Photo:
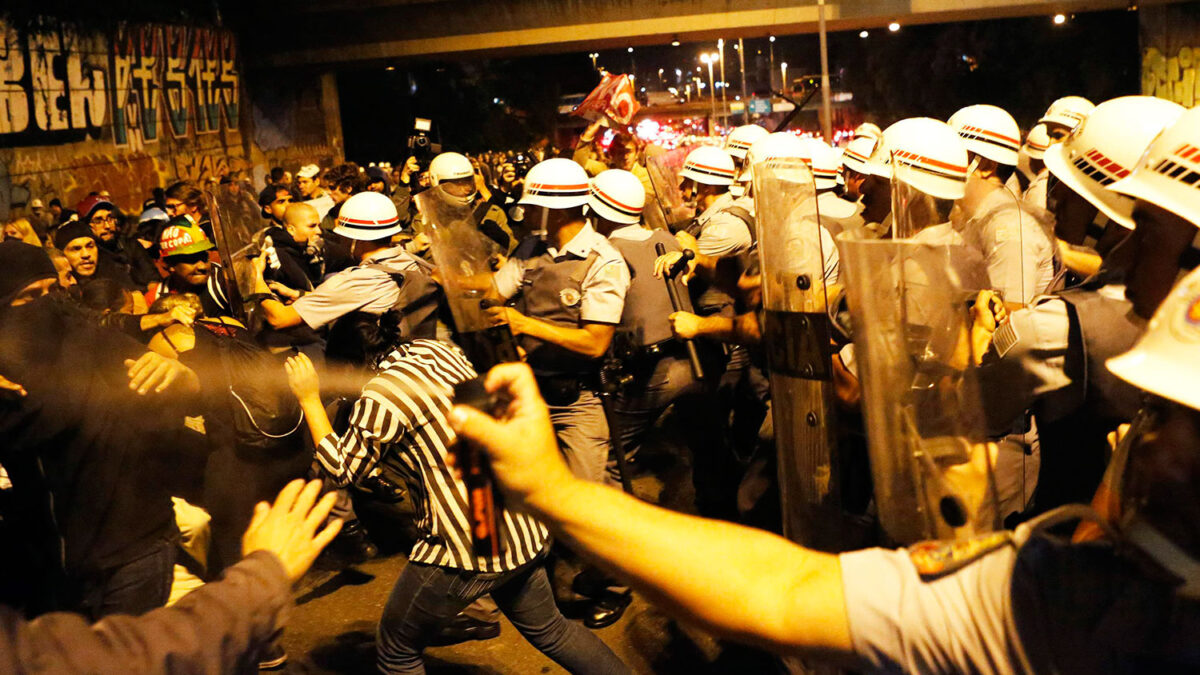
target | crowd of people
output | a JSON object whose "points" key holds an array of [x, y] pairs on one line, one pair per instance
{"points": [[960, 337]]}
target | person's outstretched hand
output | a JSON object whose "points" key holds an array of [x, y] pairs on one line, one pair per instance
{"points": [[288, 528], [302, 378], [155, 372], [521, 443]]}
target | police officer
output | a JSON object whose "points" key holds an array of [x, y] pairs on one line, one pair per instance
{"points": [[455, 174], [1049, 358], [737, 144], [386, 277], [662, 373], [568, 289], [722, 240], [1166, 241], [1023, 602], [835, 213], [1013, 238], [1029, 180]]}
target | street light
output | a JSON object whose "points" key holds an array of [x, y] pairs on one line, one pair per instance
{"points": [[709, 60], [771, 70], [593, 56], [721, 52], [783, 74], [1060, 19], [894, 26]]}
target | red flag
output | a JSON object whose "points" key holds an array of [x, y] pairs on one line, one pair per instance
{"points": [[613, 98]]}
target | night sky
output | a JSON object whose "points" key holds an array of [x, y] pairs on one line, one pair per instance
{"points": [[502, 103]]}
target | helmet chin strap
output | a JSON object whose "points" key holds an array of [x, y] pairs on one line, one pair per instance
{"points": [[1166, 553]]}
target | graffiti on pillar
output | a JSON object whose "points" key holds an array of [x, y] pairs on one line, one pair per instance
{"points": [[53, 87], [186, 77], [1171, 76]]}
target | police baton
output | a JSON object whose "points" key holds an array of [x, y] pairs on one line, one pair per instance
{"points": [[673, 293]]}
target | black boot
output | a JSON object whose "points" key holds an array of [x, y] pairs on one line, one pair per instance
{"points": [[352, 544]]}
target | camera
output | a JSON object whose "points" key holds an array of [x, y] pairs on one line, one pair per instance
{"points": [[521, 164], [420, 145]]}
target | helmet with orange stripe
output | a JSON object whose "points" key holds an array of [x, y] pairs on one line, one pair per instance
{"points": [[1103, 149], [929, 173], [618, 196]]}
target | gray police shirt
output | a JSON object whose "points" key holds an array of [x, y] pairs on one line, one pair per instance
{"points": [[957, 623]]}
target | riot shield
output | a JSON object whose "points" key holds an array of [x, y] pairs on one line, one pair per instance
{"points": [[464, 257], [932, 472], [1015, 239], [796, 335], [238, 228], [922, 218], [665, 207]]}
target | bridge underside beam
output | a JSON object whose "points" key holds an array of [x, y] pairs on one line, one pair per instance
{"points": [[386, 31]]}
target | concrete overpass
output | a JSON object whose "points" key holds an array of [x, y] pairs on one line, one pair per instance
{"points": [[332, 32]]}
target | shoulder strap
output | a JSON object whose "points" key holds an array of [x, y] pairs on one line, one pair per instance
{"points": [[743, 215], [581, 273]]}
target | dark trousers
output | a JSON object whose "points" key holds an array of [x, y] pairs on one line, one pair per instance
{"points": [[136, 587], [235, 480], [425, 597]]}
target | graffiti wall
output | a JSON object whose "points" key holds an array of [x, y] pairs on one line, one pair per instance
{"points": [[139, 108], [1171, 52]]}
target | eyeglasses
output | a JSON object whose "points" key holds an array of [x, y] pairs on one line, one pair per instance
{"points": [[104, 220]]}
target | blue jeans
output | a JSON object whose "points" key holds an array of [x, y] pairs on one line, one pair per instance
{"points": [[425, 597]]}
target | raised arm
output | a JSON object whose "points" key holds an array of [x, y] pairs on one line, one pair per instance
{"points": [[734, 581]]}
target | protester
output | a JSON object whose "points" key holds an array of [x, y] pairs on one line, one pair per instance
{"points": [[220, 628]]}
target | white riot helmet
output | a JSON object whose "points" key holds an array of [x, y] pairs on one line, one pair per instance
{"points": [[823, 160], [709, 165], [740, 139], [857, 155], [557, 183], [927, 155], [777, 147], [617, 195], [451, 166], [1107, 146], [989, 132], [1036, 142], [867, 130], [368, 216], [1068, 111], [1164, 361], [1168, 174]]}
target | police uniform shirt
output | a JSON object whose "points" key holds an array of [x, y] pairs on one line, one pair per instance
{"points": [[603, 288], [1035, 194], [723, 234], [362, 288], [1033, 369], [957, 623], [1015, 245]]}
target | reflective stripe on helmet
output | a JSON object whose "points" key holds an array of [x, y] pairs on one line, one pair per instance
{"points": [[615, 205]]}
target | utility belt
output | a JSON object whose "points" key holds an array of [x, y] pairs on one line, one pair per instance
{"points": [[563, 389], [637, 357]]}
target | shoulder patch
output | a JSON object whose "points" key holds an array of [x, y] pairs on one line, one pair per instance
{"points": [[935, 559]]}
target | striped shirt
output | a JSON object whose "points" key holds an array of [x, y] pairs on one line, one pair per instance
{"points": [[400, 420]]}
